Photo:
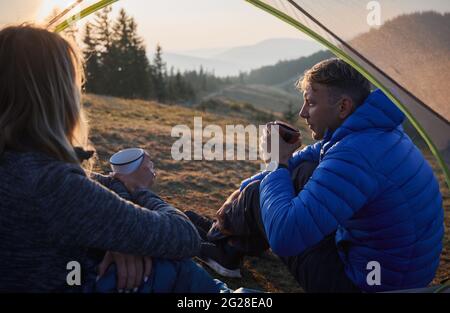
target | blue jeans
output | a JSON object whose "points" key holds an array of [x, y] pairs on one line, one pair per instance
{"points": [[184, 276]]}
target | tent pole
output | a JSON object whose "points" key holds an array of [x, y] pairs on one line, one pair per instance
{"points": [[342, 55], [85, 12]]}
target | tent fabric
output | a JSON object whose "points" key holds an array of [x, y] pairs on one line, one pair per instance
{"points": [[407, 55]]}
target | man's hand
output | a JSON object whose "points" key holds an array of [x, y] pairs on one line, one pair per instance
{"points": [[285, 150], [143, 178], [132, 270]]}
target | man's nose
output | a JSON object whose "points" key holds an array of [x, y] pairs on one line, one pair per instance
{"points": [[304, 112]]}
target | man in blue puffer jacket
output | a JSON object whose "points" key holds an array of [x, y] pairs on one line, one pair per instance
{"points": [[370, 217]]}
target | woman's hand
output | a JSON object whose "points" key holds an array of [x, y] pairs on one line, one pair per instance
{"points": [[132, 270], [143, 178]]}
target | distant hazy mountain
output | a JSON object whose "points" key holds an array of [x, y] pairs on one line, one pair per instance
{"points": [[204, 53], [185, 62], [230, 61], [269, 52]]}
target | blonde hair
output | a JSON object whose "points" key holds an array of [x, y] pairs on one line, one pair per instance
{"points": [[40, 93], [339, 77]]}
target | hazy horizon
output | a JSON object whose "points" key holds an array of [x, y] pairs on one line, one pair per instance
{"points": [[183, 25], [177, 25]]}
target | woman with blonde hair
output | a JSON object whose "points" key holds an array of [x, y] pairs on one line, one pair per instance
{"points": [[52, 213]]}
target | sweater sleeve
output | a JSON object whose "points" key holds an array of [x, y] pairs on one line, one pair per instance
{"points": [[341, 184], [111, 183], [81, 212]]}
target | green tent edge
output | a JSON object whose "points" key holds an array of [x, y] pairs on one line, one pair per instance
{"points": [[334, 49], [341, 54], [85, 12]]}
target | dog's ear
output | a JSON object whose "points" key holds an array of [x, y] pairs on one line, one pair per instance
{"points": [[83, 155]]}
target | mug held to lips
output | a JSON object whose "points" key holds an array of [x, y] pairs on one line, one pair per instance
{"points": [[288, 132]]}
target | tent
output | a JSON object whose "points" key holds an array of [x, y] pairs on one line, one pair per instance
{"points": [[405, 50]]}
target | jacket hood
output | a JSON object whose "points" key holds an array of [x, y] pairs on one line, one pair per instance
{"points": [[376, 112]]}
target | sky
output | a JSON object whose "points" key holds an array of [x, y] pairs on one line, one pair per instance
{"points": [[182, 25], [179, 25]]}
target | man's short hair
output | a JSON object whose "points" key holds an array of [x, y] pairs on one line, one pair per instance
{"points": [[340, 77]]}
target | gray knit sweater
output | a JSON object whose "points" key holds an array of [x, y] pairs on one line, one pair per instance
{"points": [[51, 213]]}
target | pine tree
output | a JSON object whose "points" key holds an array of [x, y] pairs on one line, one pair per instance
{"points": [[91, 56], [179, 86], [117, 64], [172, 91], [159, 68], [102, 24], [203, 79], [189, 92], [141, 65], [130, 76], [107, 61], [123, 55]]}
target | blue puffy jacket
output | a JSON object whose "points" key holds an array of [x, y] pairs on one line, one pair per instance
{"points": [[373, 188]]}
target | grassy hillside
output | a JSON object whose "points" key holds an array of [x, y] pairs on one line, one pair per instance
{"points": [[272, 88], [197, 185], [267, 98]]}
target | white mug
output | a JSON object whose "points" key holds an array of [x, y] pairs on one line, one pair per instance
{"points": [[127, 161]]}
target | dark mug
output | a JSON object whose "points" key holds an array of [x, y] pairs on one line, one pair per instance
{"points": [[288, 132]]}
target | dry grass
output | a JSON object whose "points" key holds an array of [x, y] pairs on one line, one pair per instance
{"points": [[444, 265], [201, 186]]}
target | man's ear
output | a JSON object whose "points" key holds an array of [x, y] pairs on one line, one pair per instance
{"points": [[346, 107]]}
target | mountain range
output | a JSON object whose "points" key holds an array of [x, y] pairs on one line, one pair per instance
{"points": [[232, 61]]}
